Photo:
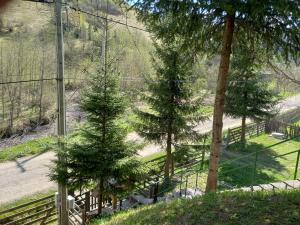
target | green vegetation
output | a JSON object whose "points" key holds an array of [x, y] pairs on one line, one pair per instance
{"points": [[226, 208], [297, 122], [237, 165], [153, 156], [175, 108], [27, 51], [36, 146], [24, 200], [103, 158], [248, 22], [248, 95]]}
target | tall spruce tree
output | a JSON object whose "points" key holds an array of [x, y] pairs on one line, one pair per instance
{"points": [[248, 94], [173, 107], [211, 26], [102, 153]]}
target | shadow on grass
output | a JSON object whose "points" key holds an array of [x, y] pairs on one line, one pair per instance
{"points": [[260, 165]]}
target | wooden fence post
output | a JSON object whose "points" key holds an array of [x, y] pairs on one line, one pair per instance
{"points": [[297, 164], [202, 158], [228, 137], [155, 192], [84, 216], [87, 201]]}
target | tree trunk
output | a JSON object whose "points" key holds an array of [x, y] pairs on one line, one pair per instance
{"points": [[100, 196], [169, 156], [90, 32], [2, 86], [243, 131], [211, 185], [41, 87], [114, 202], [11, 120]]}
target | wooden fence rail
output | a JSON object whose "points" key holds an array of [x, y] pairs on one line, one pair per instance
{"points": [[252, 129], [290, 130], [255, 129], [40, 211]]}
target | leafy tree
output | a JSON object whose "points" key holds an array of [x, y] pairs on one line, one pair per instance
{"points": [[248, 95], [173, 108], [212, 26]]}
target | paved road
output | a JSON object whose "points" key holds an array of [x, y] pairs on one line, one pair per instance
{"points": [[25, 176], [29, 175]]}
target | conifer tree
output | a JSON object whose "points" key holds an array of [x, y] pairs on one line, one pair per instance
{"points": [[101, 154], [173, 108], [101, 151], [212, 26], [248, 94]]}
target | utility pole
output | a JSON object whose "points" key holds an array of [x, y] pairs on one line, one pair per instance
{"points": [[63, 218]]}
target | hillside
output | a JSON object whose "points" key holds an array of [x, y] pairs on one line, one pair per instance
{"points": [[244, 208], [28, 52]]}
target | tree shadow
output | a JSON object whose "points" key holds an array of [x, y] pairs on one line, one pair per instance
{"points": [[20, 163], [253, 164]]}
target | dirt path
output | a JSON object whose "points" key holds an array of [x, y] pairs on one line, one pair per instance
{"points": [[29, 175]]}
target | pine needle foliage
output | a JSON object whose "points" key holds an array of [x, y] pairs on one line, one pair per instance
{"points": [[104, 137], [212, 26], [174, 110], [248, 94], [101, 155]]}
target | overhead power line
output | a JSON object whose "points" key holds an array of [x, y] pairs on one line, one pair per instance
{"points": [[27, 81], [91, 14], [104, 18]]}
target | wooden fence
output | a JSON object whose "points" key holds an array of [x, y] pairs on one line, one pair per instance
{"points": [[290, 130], [252, 129], [41, 211], [255, 129]]}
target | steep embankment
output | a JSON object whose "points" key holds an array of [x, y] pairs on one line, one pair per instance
{"points": [[223, 208]]}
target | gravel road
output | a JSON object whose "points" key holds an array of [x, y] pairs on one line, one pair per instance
{"points": [[28, 175]]}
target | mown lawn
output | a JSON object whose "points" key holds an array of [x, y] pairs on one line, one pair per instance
{"points": [[237, 164], [31, 147], [231, 208]]}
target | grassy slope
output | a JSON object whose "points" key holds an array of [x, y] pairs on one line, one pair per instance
{"points": [[25, 200], [223, 208], [31, 147]]}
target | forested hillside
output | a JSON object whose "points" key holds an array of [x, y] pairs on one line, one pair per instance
{"points": [[28, 58], [27, 52]]}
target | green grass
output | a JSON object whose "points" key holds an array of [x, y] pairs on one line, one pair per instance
{"points": [[31, 147], [287, 94], [207, 110], [237, 164], [23, 201], [233, 208], [297, 122], [153, 156]]}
